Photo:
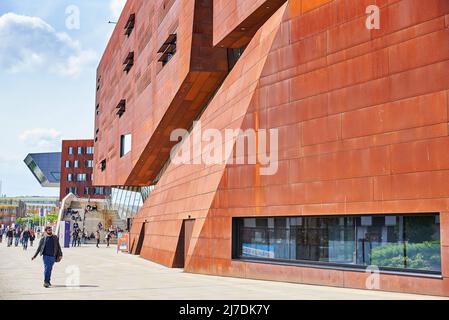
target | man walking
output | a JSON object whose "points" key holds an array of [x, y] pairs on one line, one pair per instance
{"points": [[9, 236], [80, 235], [97, 237], [25, 237], [50, 249], [1, 234], [32, 237], [17, 234], [74, 237], [108, 238]]}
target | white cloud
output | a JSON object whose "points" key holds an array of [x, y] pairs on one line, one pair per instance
{"points": [[40, 138], [30, 44], [116, 7]]}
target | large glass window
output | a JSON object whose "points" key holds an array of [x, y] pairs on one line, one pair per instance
{"points": [[399, 242]]}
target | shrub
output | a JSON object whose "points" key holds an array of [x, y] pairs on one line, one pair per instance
{"points": [[422, 256]]}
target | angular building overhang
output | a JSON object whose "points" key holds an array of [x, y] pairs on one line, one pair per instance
{"points": [[237, 21], [175, 72], [46, 168]]}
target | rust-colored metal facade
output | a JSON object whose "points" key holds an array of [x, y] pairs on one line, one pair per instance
{"points": [[362, 116]]}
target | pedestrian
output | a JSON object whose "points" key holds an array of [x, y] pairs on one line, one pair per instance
{"points": [[17, 234], [80, 235], [50, 249], [97, 237], [25, 237], [108, 238], [74, 237], [2, 231], [9, 235], [32, 237]]}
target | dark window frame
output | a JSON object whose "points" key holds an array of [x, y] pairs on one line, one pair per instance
{"points": [[121, 108], [168, 49], [130, 24], [128, 62]]}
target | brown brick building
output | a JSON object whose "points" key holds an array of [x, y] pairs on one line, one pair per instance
{"points": [[361, 113], [77, 170]]}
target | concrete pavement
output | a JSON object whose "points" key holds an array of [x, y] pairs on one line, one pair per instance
{"points": [[98, 274]]}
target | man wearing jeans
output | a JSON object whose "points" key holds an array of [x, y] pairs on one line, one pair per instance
{"points": [[51, 252]]}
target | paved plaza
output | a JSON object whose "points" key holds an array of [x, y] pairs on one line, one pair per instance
{"points": [[104, 274]]}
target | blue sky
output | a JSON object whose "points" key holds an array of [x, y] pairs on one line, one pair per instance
{"points": [[49, 51]]}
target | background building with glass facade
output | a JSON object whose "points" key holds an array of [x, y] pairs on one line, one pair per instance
{"points": [[362, 179], [46, 168]]}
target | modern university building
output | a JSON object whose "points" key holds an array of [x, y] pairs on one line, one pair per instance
{"points": [[351, 102]]}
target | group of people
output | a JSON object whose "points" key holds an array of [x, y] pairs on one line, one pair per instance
{"points": [[77, 236], [111, 232], [81, 236], [18, 236], [49, 247]]}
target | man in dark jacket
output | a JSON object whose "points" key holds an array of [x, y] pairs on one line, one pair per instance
{"points": [[25, 237], [50, 249], [9, 236], [17, 235]]}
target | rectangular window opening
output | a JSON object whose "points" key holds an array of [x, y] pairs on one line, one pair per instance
{"points": [[125, 144], [168, 49], [121, 108], [129, 26], [129, 62]]}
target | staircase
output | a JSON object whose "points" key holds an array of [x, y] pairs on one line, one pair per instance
{"points": [[91, 219], [111, 218]]}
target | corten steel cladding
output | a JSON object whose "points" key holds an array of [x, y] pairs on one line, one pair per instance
{"points": [[362, 116]]}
